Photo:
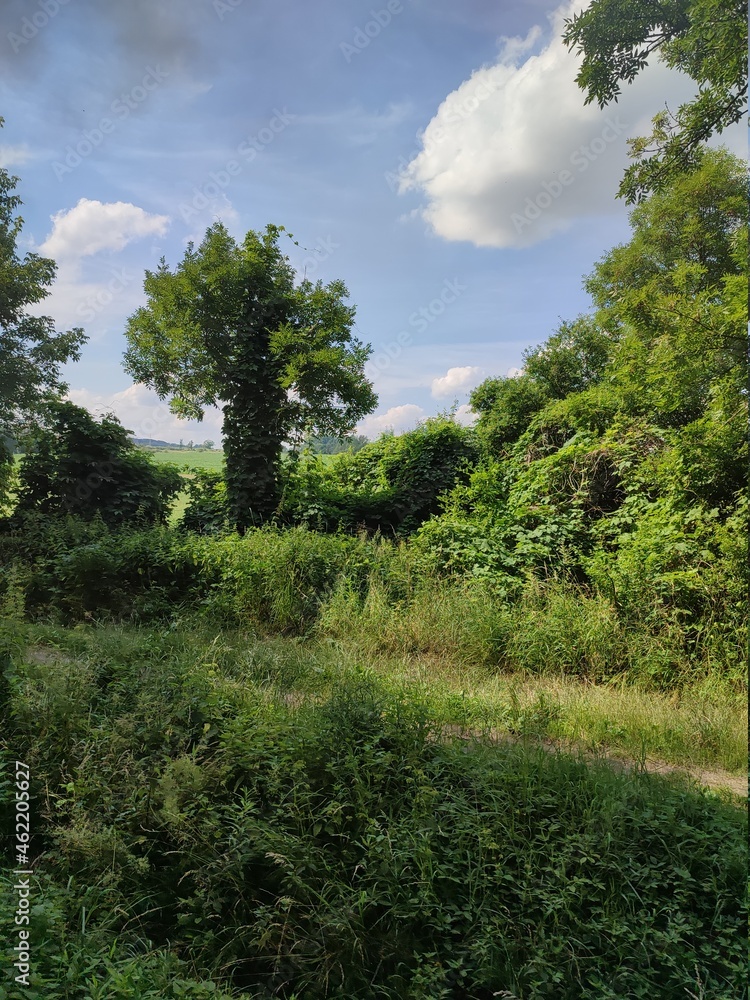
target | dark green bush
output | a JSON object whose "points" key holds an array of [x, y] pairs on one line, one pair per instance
{"points": [[88, 468], [391, 486], [207, 509], [81, 569]]}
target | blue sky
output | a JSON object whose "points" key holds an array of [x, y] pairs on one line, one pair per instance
{"points": [[437, 157]]}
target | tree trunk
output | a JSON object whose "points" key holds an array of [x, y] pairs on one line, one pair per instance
{"points": [[252, 446]]}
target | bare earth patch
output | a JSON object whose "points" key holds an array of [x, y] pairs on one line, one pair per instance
{"points": [[716, 780]]}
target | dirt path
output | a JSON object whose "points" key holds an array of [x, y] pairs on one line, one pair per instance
{"points": [[715, 779]]}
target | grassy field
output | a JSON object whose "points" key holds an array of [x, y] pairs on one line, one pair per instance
{"points": [[699, 729], [188, 458], [391, 788]]}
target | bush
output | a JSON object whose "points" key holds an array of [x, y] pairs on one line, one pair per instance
{"points": [[391, 486], [277, 579], [87, 468], [207, 509], [80, 569]]}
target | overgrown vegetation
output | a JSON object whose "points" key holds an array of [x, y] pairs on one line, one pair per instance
{"points": [[355, 752], [204, 821], [77, 466]]}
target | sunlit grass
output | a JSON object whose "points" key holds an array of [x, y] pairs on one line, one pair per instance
{"points": [[699, 727], [188, 458]]}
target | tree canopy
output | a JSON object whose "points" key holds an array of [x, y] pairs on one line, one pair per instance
{"points": [[230, 327], [31, 350], [707, 39], [666, 342]]}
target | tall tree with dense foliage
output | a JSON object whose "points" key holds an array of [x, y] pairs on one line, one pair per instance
{"points": [[668, 336], [31, 349], [677, 292], [229, 326], [707, 39]]}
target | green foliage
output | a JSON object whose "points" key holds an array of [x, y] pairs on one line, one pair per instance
{"points": [[686, 240], [88, 468], [229, 325], [571, 360], [77, 953], [328, 444], [270, 579], [506, 407], [31, 351], [392, 485], [78, 569], [207, 509], [276, 580], [618, 461], [348, 848], [707, 39]]}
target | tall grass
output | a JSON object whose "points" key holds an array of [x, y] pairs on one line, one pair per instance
{"points": [[291, 822], [381, 595], [550, 629], [699, 726]]}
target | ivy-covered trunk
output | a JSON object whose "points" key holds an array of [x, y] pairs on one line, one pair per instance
{"points": [[253, 437]]}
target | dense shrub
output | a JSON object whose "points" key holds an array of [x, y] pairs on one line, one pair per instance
{"points": [[391, 486], [89, 468], [207, 508], [80, 569], [272, 578]]}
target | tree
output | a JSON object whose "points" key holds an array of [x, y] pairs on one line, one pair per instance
{"points": [[677, 294], [209, 445], [571, 360], [506, 407], [84, 467], [331, 444], [707, 39], [668, 338], [31, 350], [684, 243], [229, 327]]}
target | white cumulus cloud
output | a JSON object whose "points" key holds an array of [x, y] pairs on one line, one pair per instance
{"points": [[397, 419], [141, 411], [456, 380], [513, 156], [92, 226], [92, 291], [465, 415], [13, 156]]}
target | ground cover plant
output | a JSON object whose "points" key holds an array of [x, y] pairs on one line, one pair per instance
{"points": [[223, 828]]}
